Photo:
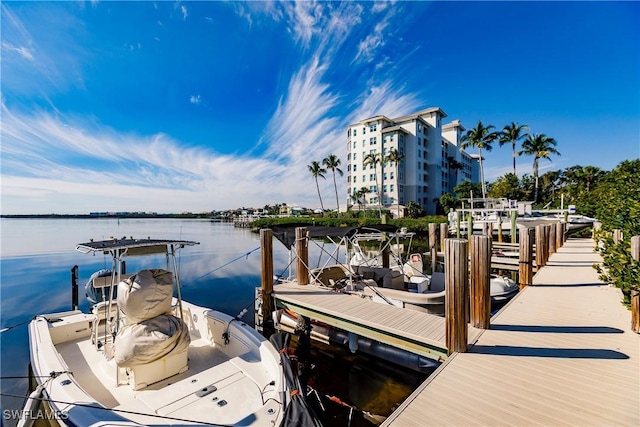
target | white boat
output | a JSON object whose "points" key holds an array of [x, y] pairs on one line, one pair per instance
{"points": [[497, 213], [403, 284], [146, 357]]}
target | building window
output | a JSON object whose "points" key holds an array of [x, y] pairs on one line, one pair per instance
{"points": [[363, 142], [391, 188], [355, 156], [373, 189], [373, 127], [354, 144], [372, 177], [391, 175], [384, 188], [384, 176], [372, 141], [355, 132], [355, 167], [364, 130]]}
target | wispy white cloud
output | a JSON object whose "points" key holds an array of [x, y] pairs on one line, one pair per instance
{"points": [[183, 9], [20, 50], [368, 47], [195, 99], [48, 161]]}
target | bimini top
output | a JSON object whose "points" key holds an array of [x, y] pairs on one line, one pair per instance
{"points": [[133, 245]]}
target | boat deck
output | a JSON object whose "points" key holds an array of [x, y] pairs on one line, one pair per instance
{"points": [[414, 331], [560, 353], [173, 399]]}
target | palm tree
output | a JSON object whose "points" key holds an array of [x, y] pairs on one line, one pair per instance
{"points": [[395, 157], [317, 171], [331, 162], [455, 166], [481, 137], [363, 191], [374, 159], [512, 134], [540, 147]]}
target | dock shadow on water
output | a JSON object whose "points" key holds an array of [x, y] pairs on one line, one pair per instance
{"points": [[356, 389]]}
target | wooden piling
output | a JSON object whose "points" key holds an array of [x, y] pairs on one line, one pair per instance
{"points": [[266, 281], [302, 254], [514, 226], [456, 266], [444, 233], [559, 235], [540, 262], [74, 287], [433, 241], [617, 235], [499, 229], [458, 224], [480, 289], [635, 295], [525, 269], [385, 253], [469, 225], [552, 238]]}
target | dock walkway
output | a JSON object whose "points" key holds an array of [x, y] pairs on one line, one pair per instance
{"points": [[414, 331], [560, 353]]}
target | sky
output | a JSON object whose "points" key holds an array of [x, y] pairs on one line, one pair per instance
{"points": [[201, 106]]}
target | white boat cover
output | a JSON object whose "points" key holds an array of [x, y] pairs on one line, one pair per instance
{"points": [[145, 295], [150, 340], [149, 331]]}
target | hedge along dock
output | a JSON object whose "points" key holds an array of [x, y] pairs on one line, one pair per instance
{"points": [[560, 353]]}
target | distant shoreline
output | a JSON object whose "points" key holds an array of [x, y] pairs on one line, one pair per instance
{"points": [[101, 216]]}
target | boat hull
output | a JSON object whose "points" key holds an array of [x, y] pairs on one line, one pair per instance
{"points": [[239, 370]]}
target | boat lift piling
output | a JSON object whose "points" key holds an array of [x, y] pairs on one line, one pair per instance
{"points": [[480, 281], [456, 294], [266, 281], [74, 287], [525, 256], [302, 256]]}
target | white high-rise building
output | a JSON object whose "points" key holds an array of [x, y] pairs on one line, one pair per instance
{"points": [[432, 164]]}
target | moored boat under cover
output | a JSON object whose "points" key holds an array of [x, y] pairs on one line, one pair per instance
{"points": [[150, 358]]}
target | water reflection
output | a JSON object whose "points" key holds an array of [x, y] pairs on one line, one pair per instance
{"points": [[37, 257]]}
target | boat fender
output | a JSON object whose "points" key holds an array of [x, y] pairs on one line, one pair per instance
{"points": [[31, 408], [353, 342]]}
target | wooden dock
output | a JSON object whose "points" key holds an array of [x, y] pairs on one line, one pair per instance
{"points": [[414, 331], [560, 353]]}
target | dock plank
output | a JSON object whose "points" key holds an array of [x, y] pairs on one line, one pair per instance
{"points": [[416, 331], [560, 353]]}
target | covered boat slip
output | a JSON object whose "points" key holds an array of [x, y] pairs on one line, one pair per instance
{"points": [[560, 353], [229, 379], [418, 332]]}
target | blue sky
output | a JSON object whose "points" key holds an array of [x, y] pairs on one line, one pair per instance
{"points": [[196, 106]]}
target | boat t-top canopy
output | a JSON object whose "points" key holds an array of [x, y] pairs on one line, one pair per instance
{"points": [[285, 233], [133, 246]]}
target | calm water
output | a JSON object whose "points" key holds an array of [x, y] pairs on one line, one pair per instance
{"points": [[37, 257]]}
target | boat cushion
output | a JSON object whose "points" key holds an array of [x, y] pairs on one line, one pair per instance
{"points": [[145, 295], [150, 340]]}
